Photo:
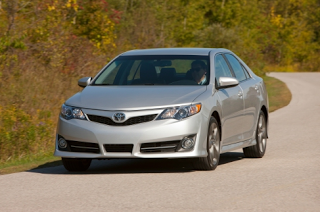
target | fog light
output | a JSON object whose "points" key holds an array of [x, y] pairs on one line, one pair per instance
{"points": [[62, 143], [187, 143]]}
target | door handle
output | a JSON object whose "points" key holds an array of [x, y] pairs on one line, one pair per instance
{"points": [[240, 94], [256, 88]]}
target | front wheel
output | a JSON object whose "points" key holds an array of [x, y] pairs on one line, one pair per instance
{"points": [[76, 164], [258, 150], [213, 148]]}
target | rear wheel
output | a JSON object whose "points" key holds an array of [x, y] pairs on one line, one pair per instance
{"points": [[213, 148], [76, 164], [258, 150]]}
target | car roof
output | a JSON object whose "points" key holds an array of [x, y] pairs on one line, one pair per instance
{"points": [[174, 51]]}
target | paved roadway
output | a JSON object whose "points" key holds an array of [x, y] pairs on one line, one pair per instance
{"points": [[286, 179]]}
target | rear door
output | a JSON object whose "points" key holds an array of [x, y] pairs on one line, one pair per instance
{"points": [[231, 103]]}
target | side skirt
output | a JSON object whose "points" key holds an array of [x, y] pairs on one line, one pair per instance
{"points": [[238, 145]]}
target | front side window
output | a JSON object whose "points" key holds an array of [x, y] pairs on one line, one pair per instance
{"points": [[221, 68], [236, 66], [156, 70]]}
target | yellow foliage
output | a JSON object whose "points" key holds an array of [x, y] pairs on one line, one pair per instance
{"points": [[276, 19], [68, 4], [50, 8], [21, 133], [73, 4], [53, 6]]}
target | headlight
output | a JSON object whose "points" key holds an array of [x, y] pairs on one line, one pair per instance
{"points": [[68, 112], [180, 112]]}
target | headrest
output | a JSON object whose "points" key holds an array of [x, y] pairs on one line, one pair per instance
{"points": [[165, 72], [148, 72]]}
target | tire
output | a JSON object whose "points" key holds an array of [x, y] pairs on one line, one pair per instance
{"points": [[259, 149], [76, 164], [213, 148]]}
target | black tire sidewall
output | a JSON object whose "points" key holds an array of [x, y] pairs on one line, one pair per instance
{"points": [[76, 164]]}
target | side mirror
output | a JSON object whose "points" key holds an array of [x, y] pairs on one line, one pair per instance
{"points": [[83, 82], [227, 82]]}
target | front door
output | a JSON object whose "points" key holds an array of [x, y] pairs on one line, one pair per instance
{"points": [[231, 103]]}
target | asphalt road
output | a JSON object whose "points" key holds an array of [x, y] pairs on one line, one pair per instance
{"points": [[286, 179]]}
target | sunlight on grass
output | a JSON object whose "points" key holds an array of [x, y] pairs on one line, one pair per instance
{"points": [[278, 93], [44, 161]]}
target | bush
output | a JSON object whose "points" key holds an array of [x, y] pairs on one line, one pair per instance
{"points": [[22, 135]]}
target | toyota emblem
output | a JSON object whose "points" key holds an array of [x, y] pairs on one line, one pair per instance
{"points": [[119, 117]]}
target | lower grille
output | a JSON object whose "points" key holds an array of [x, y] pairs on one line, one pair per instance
{"points": [[118, 147], [167, 146], [130, 121], [77, 146]]}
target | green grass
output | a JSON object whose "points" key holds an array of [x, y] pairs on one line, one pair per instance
{"points": [[279, 96], [43, 161], [278, 93]]}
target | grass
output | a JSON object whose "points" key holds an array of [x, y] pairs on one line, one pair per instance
{"points": [[30, 163], [279, 96], [278, 93]]}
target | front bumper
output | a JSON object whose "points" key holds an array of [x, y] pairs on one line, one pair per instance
{"points": [[148, 132]]}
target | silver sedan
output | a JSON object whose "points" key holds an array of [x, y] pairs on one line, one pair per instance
{"points": [[165, 103]]}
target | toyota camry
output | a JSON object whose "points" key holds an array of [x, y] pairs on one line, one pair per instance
{"points": [[165, 103]]}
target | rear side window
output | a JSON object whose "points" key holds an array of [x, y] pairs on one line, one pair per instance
{"points": [[236, 66], [245, 72]]}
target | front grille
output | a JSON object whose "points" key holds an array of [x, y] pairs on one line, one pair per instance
{"points": [[130, 121], [167, 146], [77, 146], [118, 147]]}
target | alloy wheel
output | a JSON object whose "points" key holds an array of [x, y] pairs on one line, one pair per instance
{"points": [[262, 133], [214, 144]]}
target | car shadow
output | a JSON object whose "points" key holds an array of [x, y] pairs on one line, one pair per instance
{"points": [[229, 157], [134, 166]]}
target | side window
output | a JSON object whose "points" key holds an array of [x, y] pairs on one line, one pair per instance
{"points": [[221, 67], [245, 72], [236, 66]]}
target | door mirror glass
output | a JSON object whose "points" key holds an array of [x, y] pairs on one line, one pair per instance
{"points": [[83, 82], [226, 82]]}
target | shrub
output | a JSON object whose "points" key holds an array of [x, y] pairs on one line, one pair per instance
{"points": [[22, 135]]}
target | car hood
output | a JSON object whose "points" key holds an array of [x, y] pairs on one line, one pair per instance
{"points": [[134, 97]]}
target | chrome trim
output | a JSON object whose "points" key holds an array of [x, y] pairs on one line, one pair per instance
{"points": [[81, 147], [119, 117], [160, 147]]}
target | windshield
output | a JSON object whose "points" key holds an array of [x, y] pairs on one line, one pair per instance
{"points": [[156, 70]]}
